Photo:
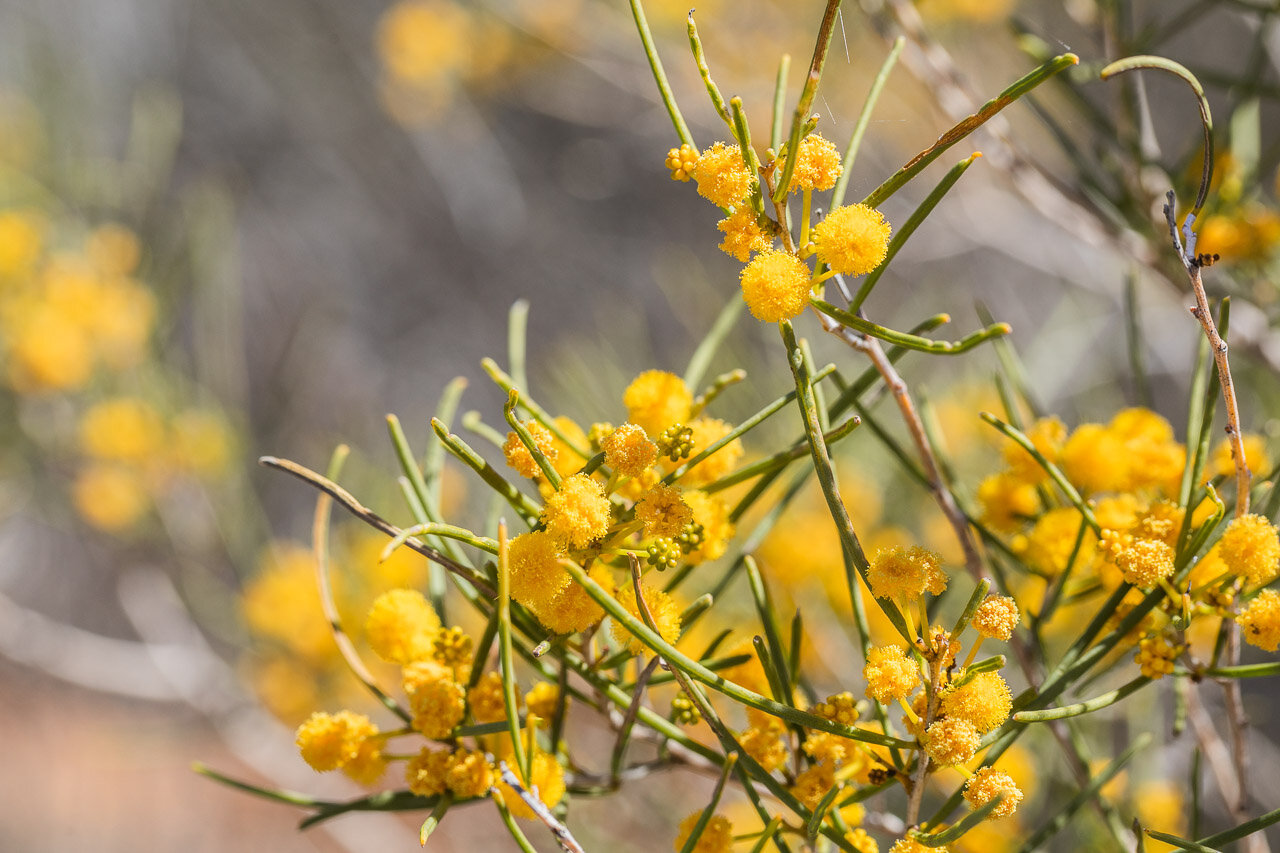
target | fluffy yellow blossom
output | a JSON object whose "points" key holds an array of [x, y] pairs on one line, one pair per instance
{"points": [[123, 429], [860, 841], [682, 161], [1251, 549], [533, 559], [890, 674], [111, 497], [368, 765], [1094, 459], [402, 626], [546, 779], [706, 432], [663, 511], [776, 285], [996, 617], [656, 399], [328, 741], [1261, 620], [984, 701], [571, 609], [853, 239], [485, 700], [468, 774], [628, 450], [1007, 501], [826, 748], [1160, 805], [742, 234], [427, 772], [817, 165], [542, 700], [1144, 562], [712, 514], [722, 175], [716, 837], [519, 457], [566, 460], [48, 351], [1048, 546], [1048, 435], [663, 608], [437, 701], [951, 740], [906, 573], [813, 783], [910, 845], [987, 784], [578, 513], [765, 744]]}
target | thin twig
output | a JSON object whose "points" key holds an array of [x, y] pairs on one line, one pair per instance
{"points": [[563, 837], [350, 504]]}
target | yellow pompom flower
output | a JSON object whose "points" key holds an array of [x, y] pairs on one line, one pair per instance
{"points": [[1094, 459], [996, 617], [427, 772], [906, 573], [578, 513], [468, 774], [533, 559], [663, 608], [717, 835], [1251, 548], [437, 701], [890, 674], [1144, 562], [1261, 620], [486, 700], [817, 165], [951, 740], [572, 609], [519, 457], [987, 784], [722, 175], [765, 745], [775, 286], [910, 845], [542, 700], [712, 514], [663, 511], [546, 780], [110, 497], [682, 161], [860, 841], [853, 239], [628, 450], [826, 748], [124, 429], [656, 399], [1007, 501], [813, 783], [328, 741], [742, 234], [402, 626], [706, 432], [984, 701]]}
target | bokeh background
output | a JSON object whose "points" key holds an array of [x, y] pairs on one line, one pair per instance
{"points": [[230, 229]]}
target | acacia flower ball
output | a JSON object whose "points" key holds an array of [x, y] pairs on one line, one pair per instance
{"points": [[486, 701], [775, 286], [813, 784], [722, 175], [705, 432], [547, 777], [906, 573], [1251, 548], [996, 617], [656, 399], [989, 783], [329, 741], [853, 239], [663, 512], [469, 774], [628, 450], [765, 745], [817, 165], [717, 835], [984, 701], [910, 845], [437, 701], [663, 609], [427, 771], [951, 740], [402, 626], [1145, 562], [1261, 620], [742, 234], [890, 674], [579, 512], [533, 560], [518, 455]]}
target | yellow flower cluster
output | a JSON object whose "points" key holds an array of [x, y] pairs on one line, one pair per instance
{"points": [[906, 574], [346, 741], [716, 837], [890, 674], [987, 784], [1261, 620]]}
